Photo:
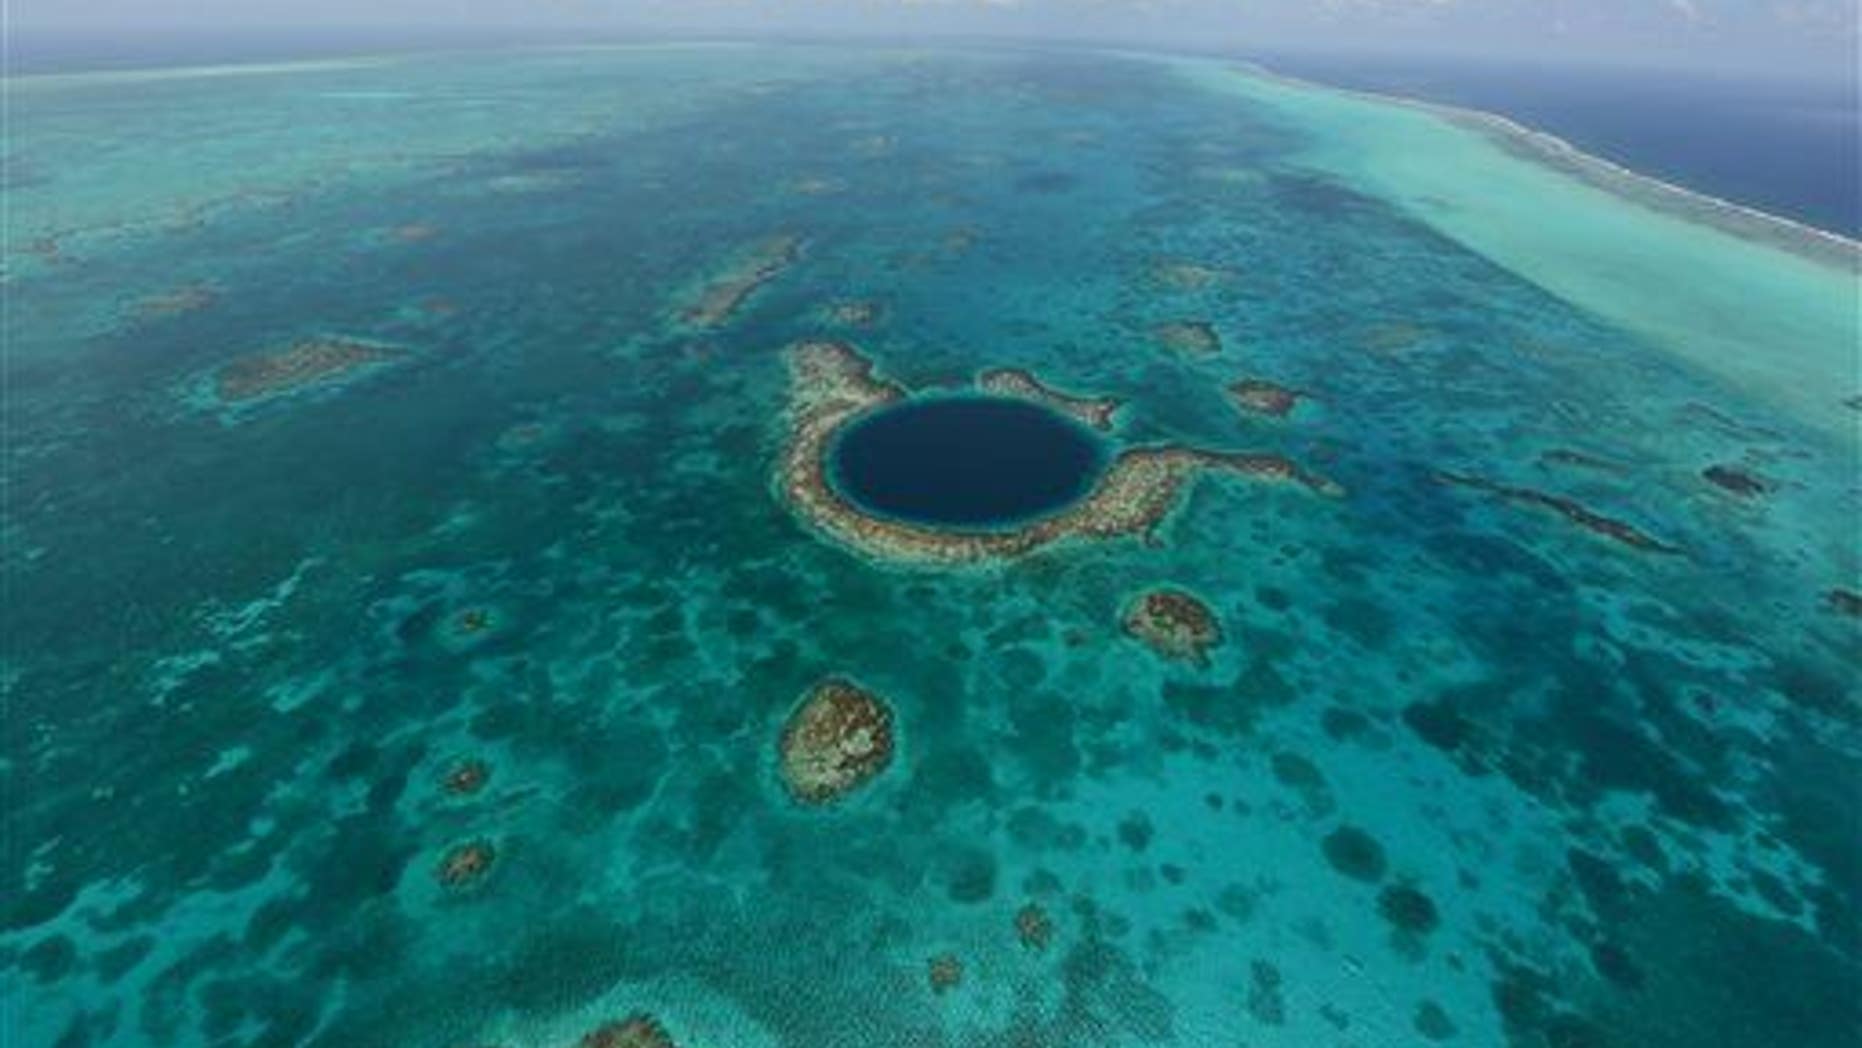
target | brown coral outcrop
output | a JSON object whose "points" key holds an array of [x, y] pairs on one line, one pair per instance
{"points": [[307, 363], [945, 973], [465, 777], [837, 740], [1175, 624], [636, 1031], [1034, 927], [465, 865]]}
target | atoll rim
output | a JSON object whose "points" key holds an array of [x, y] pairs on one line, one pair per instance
{"points": [[833, 387]]}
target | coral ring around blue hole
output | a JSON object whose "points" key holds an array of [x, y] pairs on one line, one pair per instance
{"points": [[966, 462]]}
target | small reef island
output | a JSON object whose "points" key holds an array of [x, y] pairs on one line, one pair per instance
{"points": [[837, 740], [1175, 624], [310, 362], [833, 388]]}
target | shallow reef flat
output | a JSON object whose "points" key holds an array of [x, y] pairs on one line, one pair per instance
{"points": [[1603, 237], [1196, 338], [1186, 275], [527, 670], [240, 116], [188, 299], [720, 296], [1570, 509]]}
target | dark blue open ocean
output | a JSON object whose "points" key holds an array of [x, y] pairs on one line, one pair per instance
{"points": [[1789, 147]]}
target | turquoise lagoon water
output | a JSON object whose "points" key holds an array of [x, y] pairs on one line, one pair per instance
{"points": [[1464, 771]]}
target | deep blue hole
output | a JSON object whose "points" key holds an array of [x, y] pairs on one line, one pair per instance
{"points": [[966, 462]]}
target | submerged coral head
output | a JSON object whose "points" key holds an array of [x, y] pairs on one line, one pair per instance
{"points": [[465, 865], [635, 1031], [306, 363], [466, 776]]}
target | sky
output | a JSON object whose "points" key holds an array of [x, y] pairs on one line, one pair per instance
{"points": [[1787, 37]]}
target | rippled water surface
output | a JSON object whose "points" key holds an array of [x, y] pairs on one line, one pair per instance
{"points": [[403, 616]]}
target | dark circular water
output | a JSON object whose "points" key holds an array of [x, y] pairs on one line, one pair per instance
{"points": [[966, 462]]}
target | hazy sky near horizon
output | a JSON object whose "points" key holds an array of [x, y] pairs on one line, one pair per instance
{"points": [[1788, 36]]}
